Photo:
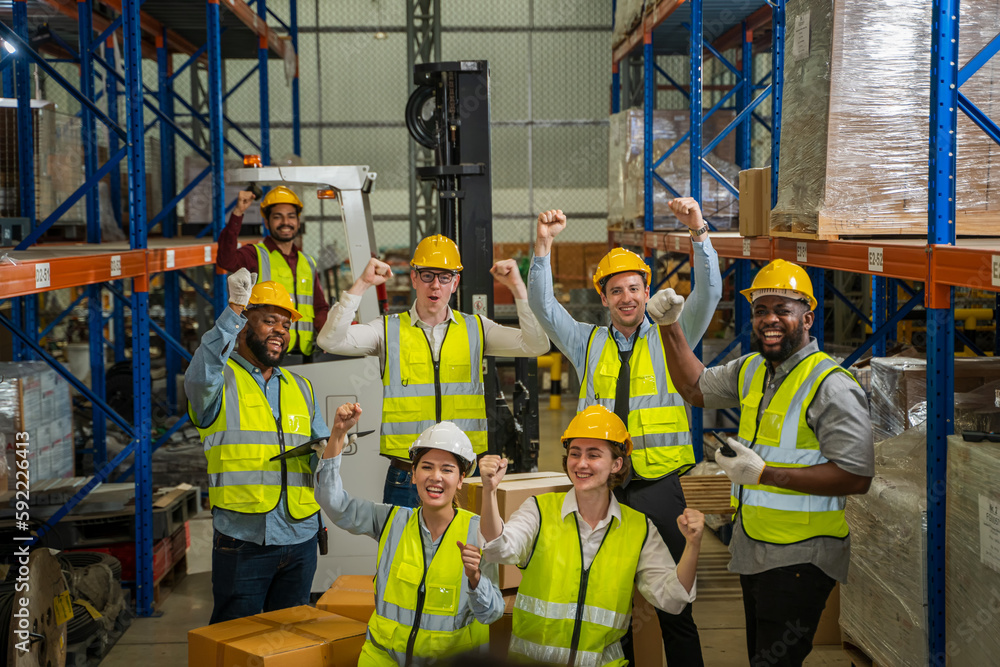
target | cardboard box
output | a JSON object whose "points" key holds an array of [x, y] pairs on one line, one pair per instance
{"points": [[287, 638], [828, 630], [352, 596], [755, 202], [514, 490], [501, 630], [647, 641]]}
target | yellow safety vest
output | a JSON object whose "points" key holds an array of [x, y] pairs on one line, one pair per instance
{"points": [[784, 440], [245, 435], [418, 392], [422, 611], [272, 265], [657, 420], [564, 614]]}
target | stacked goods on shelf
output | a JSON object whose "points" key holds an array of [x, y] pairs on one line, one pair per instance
{"points": [[972, 578], [804, 115], [884, 602], [626, 170], [876, 163], [35, 400], [198, 202], [628, 14]]}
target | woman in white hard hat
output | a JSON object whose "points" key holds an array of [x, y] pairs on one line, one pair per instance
{"points": [[431, 598], [581, 552]]}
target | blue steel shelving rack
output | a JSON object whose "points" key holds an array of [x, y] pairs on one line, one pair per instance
{"points": [[941, 263], [745, 102], [104, 265]]}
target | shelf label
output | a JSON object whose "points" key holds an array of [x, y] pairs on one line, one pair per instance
{"points": [[677, 243], [800, 253], [875, 260], [208, 253], [171, 261], [996, 270], [746, 247], [989, 532], [116, 265], [43, 277]]}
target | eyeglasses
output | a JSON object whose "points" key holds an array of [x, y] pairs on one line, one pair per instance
{"points": [[429, 276]]}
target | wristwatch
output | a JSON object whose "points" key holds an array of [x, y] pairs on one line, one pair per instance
{"points": [[695, 233]]}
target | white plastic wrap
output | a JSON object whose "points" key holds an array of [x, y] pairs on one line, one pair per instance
{"points": [[972, 587], [628, 13], [898, 394], [626, 182], [804, 115], [876, 172]]}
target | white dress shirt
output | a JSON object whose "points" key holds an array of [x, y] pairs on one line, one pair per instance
{"points": [[338, 336], [656, 576]]}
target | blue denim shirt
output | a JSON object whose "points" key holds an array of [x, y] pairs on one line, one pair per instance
{"points": [[571, 337], [203, 383]]}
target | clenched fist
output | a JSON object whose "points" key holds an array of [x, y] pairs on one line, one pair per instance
{"points": [[692, 525], [507, 274], [665, 306], [550, 223], [492, 469], [470, 558], [243, 201], [240, 285]]}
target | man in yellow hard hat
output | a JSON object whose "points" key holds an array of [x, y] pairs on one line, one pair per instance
{"points": [[431, 355], [622, 367], [804, 444], [277, 258], [247, 410]]}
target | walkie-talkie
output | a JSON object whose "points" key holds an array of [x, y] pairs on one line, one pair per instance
{"points": [[254, 189], [725, 450]]}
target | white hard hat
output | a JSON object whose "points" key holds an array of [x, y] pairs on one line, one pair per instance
{"points": [[448, 437]]}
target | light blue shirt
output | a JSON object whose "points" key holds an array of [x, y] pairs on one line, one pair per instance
{"points": [[571, 337], [204, 385], [359, 516]]}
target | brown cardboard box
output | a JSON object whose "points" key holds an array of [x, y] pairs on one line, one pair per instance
{"points": [[755, 201], [287, 638], [469, 499], [646, 637], [501, 630], [511, 494], [828, 630], [352, 596]]}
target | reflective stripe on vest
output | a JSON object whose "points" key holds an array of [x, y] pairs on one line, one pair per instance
{"points": [[547, 612], [417, 393], [413, 628], [244, 436], [657, 419], [783, 438], [272, 265]]}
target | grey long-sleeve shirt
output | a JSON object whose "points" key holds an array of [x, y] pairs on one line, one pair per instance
{"points": [[360, 516], [839, 416]]}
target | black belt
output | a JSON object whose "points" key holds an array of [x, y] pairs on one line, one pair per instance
{"points": [[401, 464]]}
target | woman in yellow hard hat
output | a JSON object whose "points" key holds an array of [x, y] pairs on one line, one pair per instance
{"points": [[582, 550], [431, 599], [278, 258]]}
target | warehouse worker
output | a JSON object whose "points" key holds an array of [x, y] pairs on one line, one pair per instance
{"points": [[805, 443], [278, 259], [622, 367], [247, 410], [583, 550], [431, 355], [431, 599]]}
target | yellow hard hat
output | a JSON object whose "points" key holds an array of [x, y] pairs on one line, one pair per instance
{"points": [[598, 422], [280, 195], [437, 252], [619, 260], [270, 293], [781, 278]]}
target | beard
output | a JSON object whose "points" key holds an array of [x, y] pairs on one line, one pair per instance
{"points": [[790, 342], [258, 346]]}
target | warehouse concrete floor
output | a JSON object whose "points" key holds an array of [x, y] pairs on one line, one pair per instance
{"points": [[162, 640]]}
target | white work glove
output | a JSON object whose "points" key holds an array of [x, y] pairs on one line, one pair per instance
{"points": [[319, 448], [745, 468], [240, 285], [665, 306]]}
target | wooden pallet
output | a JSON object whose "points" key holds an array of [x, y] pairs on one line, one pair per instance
{"points": [[829, 228], [857, 654], [170, 579], [707, 493]]}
